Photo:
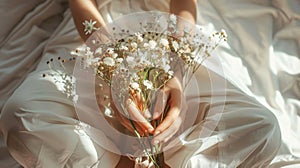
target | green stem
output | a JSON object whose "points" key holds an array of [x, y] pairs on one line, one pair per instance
{"points": [[139, 138]]}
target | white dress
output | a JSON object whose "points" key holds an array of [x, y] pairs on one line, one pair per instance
{"points": [[41, 128]]}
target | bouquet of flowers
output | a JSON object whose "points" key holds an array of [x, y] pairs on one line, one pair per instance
{"points": [[139, 64]]}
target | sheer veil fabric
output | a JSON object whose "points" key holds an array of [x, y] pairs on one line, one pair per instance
{"points": [[41, 127]]}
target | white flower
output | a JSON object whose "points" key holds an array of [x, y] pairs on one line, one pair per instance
{"points": [[146, 45], [167, 67], [75, 98], [89, 26], [134, 45], [145, 61], [80, 51], [114, 55], [124, 48], [135, 76], [110, 50], [164, 42], [152, 44], [139, 37], [181, 51], [119, 60], [90, 61], [223, 32], [98, 51], [108, 112], [148, 84], [173, 18], [134, 86], [87, 56], [109, 61], [175, 45], [130, 60], [171, 73]]}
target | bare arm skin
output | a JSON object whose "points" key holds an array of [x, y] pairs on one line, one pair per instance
{"points": [[85, 10], [186, 9]]}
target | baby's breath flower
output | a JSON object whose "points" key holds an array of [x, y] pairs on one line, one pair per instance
{"points": [[114, 55], [110, 50], [148, 84], [134, 86], [175, 45], [139, 37], [171, 73], [134, 45], [90, 61], [130, 60], [124, 48], [109, 61], [167, 67], [135, 76], [173, 18], [146, 45], [223, 33], [75, 98], [164, 42], [98, 51], [119, 60], [80, 52], [152, 44]]}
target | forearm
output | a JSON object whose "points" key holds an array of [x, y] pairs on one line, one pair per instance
{"points": [[186, 9], [85, 10]]}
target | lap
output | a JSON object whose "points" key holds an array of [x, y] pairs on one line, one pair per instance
{"points": [[39, 116], [40, 127]]}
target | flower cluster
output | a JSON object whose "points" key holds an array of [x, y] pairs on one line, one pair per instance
{"points": [[138, 64], [63, 81], [150, 52]]}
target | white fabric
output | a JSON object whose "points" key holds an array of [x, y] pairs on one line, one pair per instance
{"points": [[262, 37], [263, 59]]}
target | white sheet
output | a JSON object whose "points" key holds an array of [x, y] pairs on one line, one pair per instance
{"points": [[262, 57]]}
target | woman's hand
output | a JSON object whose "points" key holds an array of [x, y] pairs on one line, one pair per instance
{"points": [[170, 106], [167, 109], [136, 119]]}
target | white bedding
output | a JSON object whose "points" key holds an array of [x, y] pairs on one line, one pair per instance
{"points": [[262, 56]]}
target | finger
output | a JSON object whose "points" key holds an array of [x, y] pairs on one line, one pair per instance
{"points": [[136, 116], [168, 121], [168, 133], [160, 104], [147, 114], [137, 98], [126, 122], [131, 126], [138, 101]]}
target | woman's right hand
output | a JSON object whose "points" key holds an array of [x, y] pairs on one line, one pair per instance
{"points": [[136, 119]]}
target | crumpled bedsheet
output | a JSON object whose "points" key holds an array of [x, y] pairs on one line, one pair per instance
{"points": [[262, 56]]}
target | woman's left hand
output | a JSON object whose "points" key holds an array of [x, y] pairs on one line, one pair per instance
{"points": [[171, 99]]}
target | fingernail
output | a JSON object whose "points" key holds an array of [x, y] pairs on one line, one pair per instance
{"points": [[150, 130], [155, 115], [147, 114], [155, 142], [156, 132]]}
